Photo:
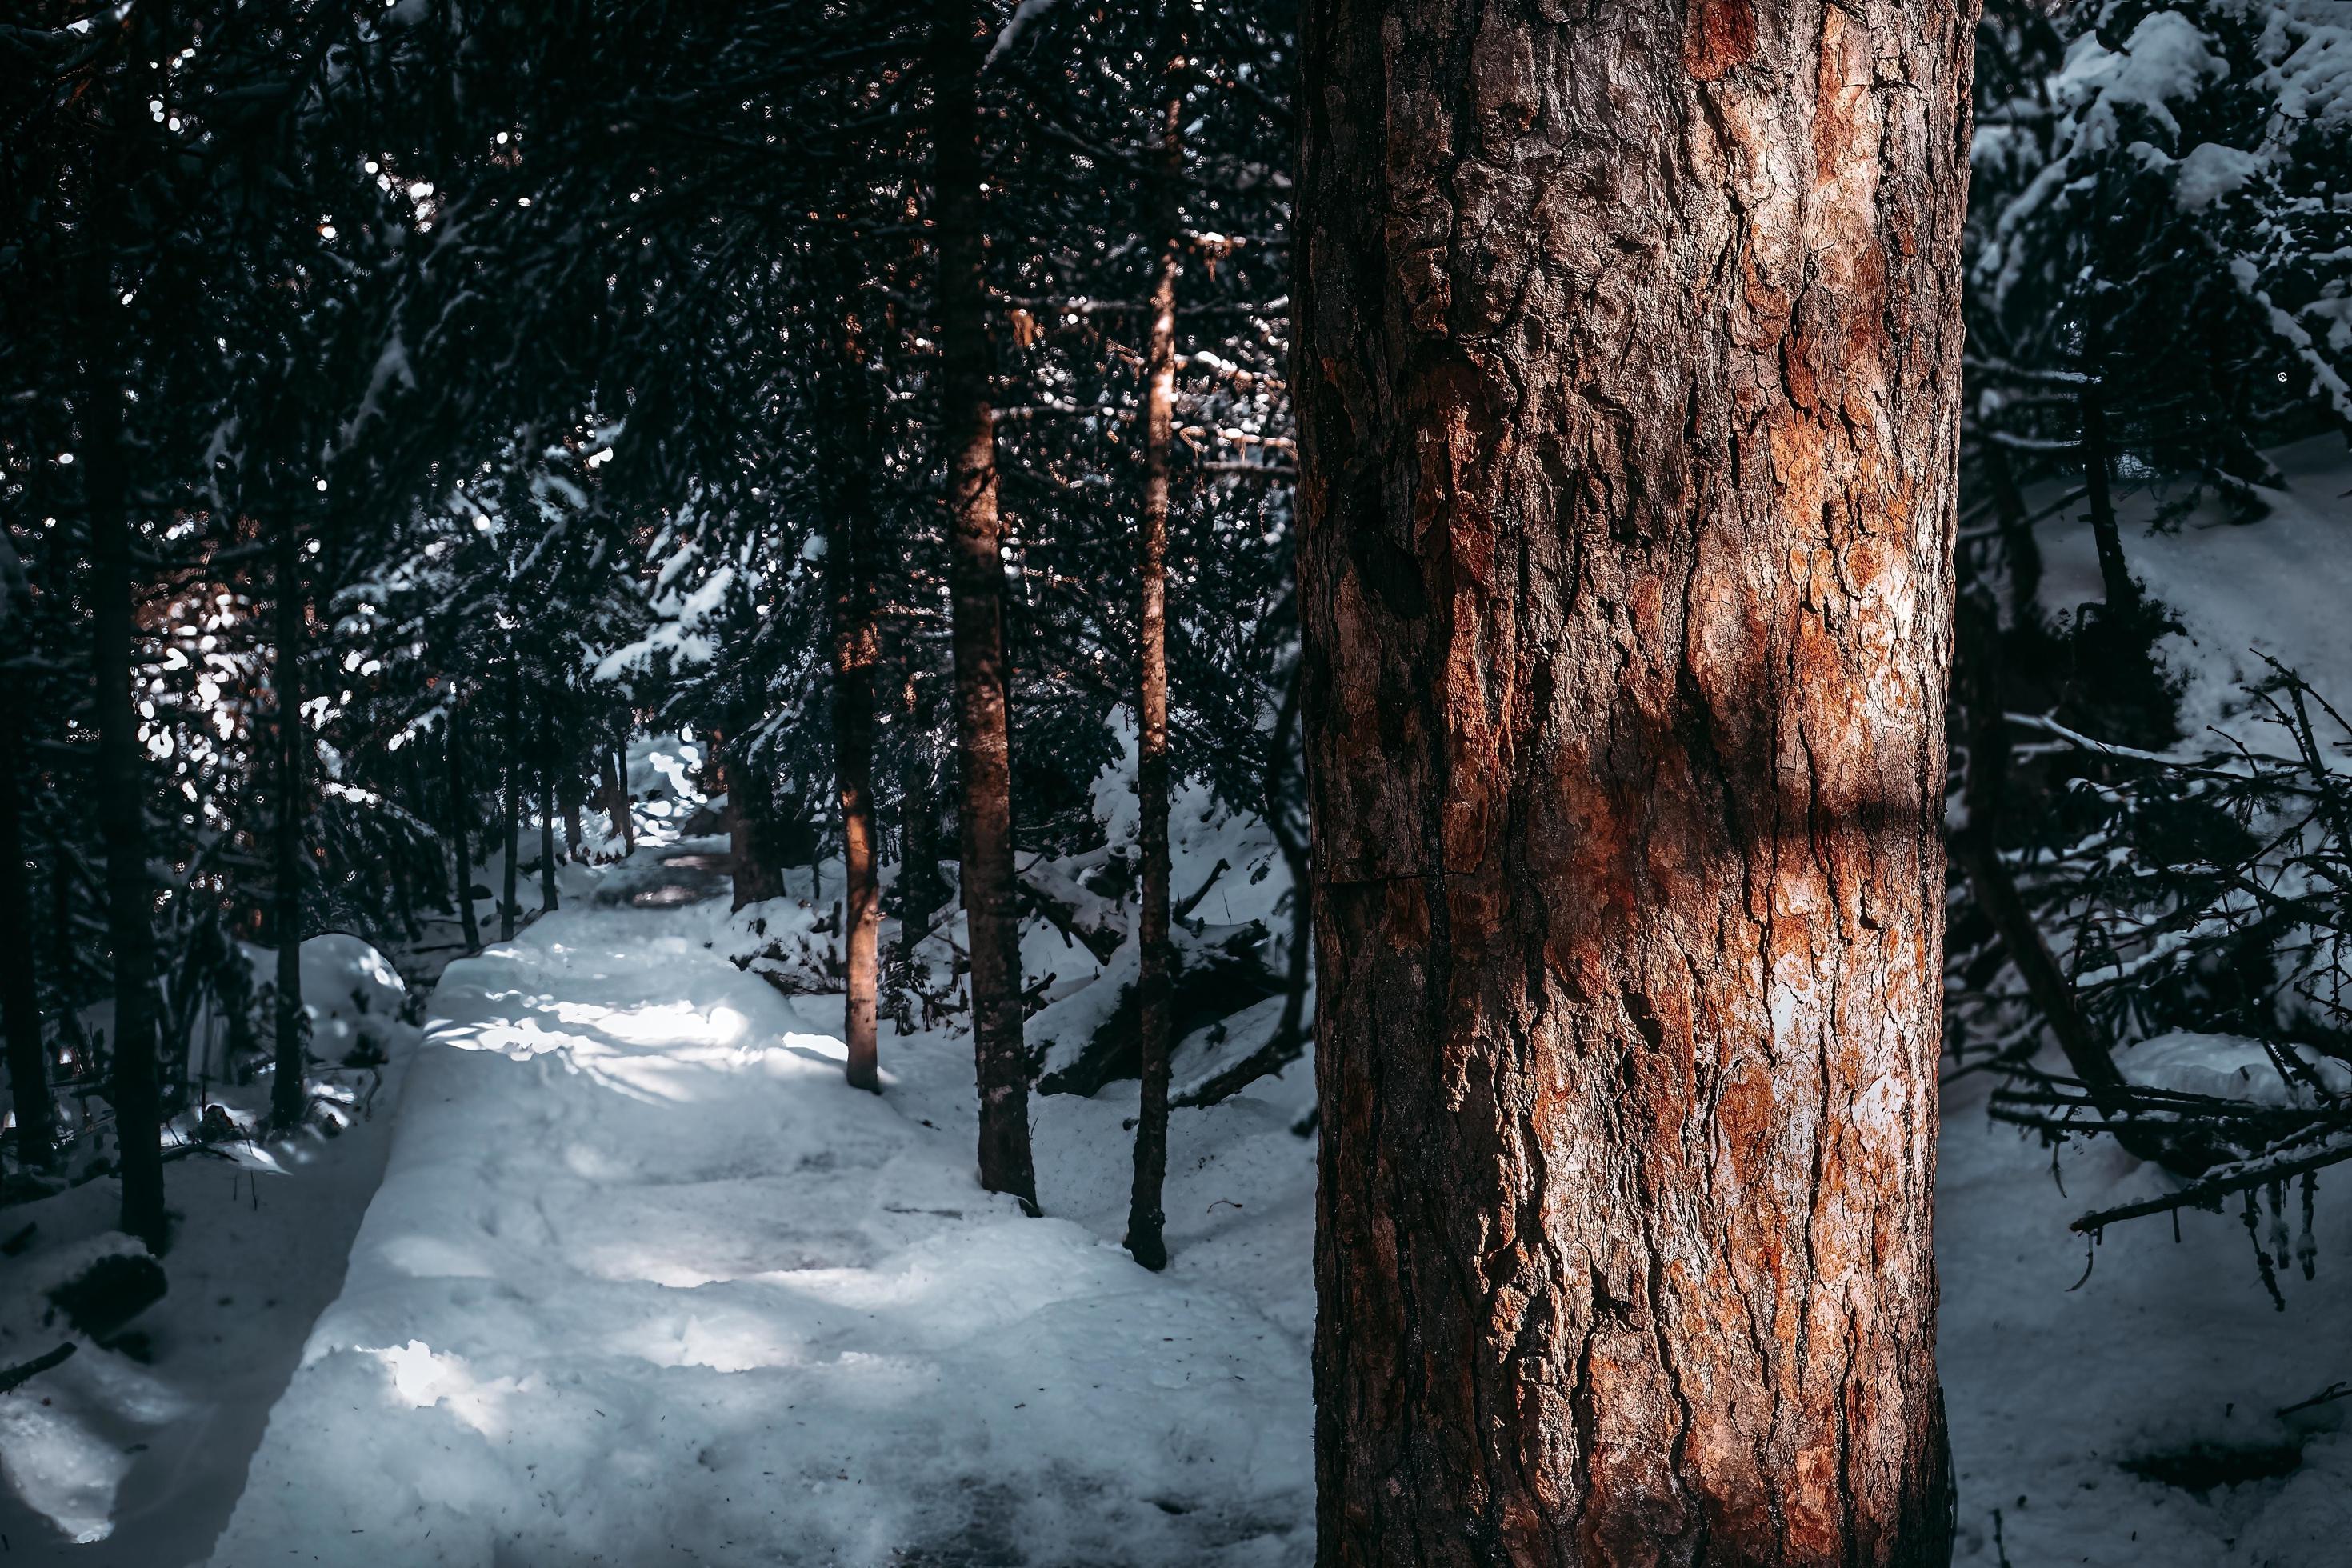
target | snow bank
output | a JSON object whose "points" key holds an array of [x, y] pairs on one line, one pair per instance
{"points": [[133, 1455]]}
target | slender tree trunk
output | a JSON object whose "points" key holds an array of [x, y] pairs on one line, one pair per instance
{"points": [[919, 889], [853, 663], [855, 649], [122, 810], [509, 903], [2017, 544], [1628, 371], [65, 952], [461, 827], [289, 1095], [1976, 845], [1146, 1221], [758, 875], [20, 1002], [547, 899], [976, 592], [625, 819], [2115, 574]]}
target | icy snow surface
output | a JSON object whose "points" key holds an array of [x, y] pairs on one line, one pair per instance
{"points": [[646, 1283]]}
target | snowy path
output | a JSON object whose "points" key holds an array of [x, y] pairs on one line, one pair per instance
{"points": [[646, 1283]]}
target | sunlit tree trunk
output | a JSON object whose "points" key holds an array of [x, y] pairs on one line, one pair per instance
{"points": [[976, 588], [289, 1096], [1146, 1221], [1628, 375], [855, 649]]}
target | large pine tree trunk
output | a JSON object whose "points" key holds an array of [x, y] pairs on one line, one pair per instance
{"points": [[461, 827], [976, 588], [289, 1099], [20, 1004], [1146, 1220], [1627, 369], [122, 826]]}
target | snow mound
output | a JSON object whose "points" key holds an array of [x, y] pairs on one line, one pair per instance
{"points": [[2231, 1067]]}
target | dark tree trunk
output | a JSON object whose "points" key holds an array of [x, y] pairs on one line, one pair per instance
{"points": [[509, 901], [2115, 574], [569, 790], [849, 558], [289, 1096], [919, 888], [1628, 374], [461, 827], [2018, 544], [122, 811], [976, 591], [65, 953], [758, 875], [1146, 1220], [546, 818], [624, 820], [1978, 686], [20, 1002]]}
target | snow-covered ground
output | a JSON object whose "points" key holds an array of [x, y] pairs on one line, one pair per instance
{"points": [[2279, 586], [647, 1282], [134, 1455]]}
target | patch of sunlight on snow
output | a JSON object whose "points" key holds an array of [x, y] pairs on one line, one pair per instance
{"points": [[426, 1377], [829, 1046], [738, 1342], [60, 1468], [55, 1459], [657, 1023]]}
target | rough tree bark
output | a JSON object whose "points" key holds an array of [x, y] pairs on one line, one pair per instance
{"points": [[122, 827], [976, 594], [849, 562], [461, 827], [20, 1003], [289, 1097], [1146, 1220], [1627, 369]]}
